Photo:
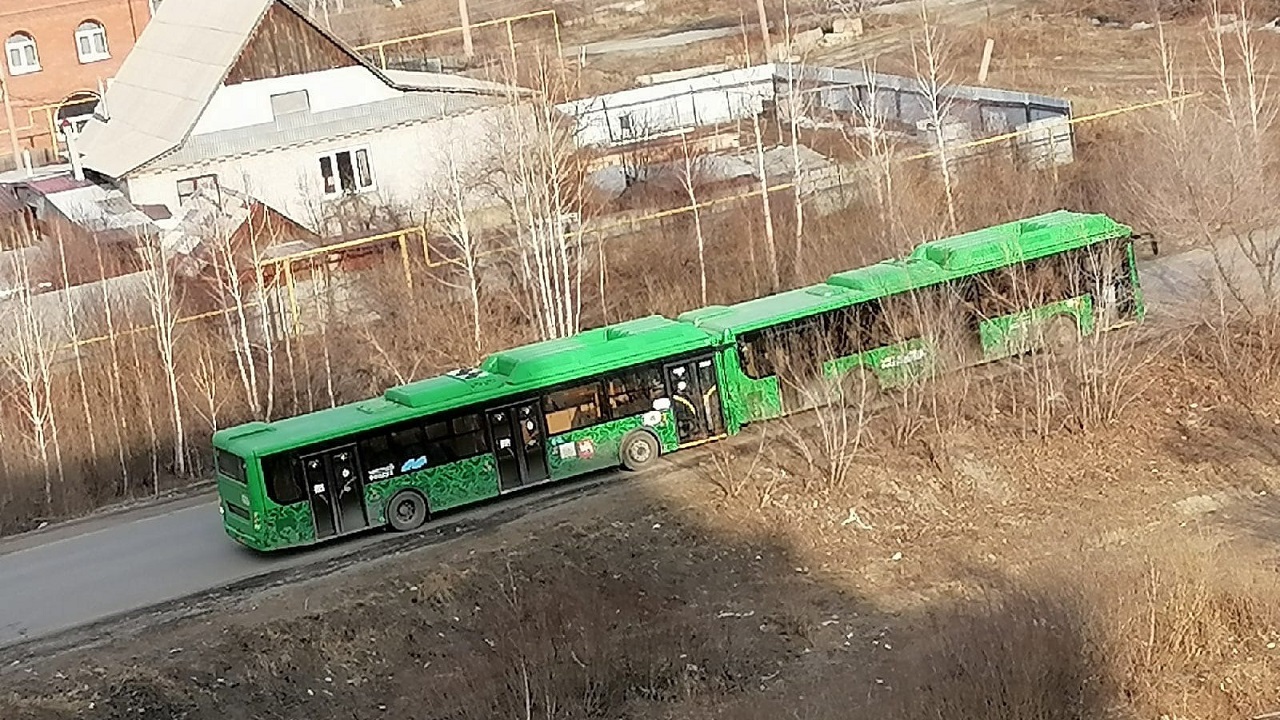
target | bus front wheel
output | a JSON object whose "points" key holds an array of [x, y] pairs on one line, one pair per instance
{"points": [[407, 511], [639, 450]]}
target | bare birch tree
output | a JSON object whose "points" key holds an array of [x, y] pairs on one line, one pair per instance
{"points": [[230, 294], [31, 360], [933, 80], [205, 393], [878, 148], [464, 244], [261, 237], [689, 179], [163, 301], [73, 332], [771, 247], [120, 421], [541, 185]]}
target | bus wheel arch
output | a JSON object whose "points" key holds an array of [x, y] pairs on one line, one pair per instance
{"points": [[860, 387], [638, 449], [407, 510], [1062, 331]]}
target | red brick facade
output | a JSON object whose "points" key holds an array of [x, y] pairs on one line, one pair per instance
{"points": [[70, 65]]}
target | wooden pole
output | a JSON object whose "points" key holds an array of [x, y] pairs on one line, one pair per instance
{"points": [[467, 48], [8, 117], [764, 31], [986, 61]]}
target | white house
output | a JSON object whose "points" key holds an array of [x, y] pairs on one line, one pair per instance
{"points": [[253, 96]]}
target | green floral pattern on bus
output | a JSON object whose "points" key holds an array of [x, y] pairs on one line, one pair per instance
{"points": [[1020, 332], [597, 447], [892, 365], [287, 525], [746, 399], [447, 486], [752, 400]]}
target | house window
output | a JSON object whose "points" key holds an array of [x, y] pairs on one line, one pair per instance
{"points": [[624, 124], [205, 184], [346, 172], [21, 51], [91, 42]]}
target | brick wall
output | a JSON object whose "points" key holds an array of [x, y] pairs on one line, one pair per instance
{"points": [[52, 24]]}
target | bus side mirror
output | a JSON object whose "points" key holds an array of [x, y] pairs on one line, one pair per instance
{"points": [[662, 404]]}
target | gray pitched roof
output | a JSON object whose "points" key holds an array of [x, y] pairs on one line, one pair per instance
{"points": [[167, 80], [304, 128], [177, 65]]}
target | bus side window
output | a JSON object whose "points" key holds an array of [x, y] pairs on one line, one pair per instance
{"points": [[408, 443], [633, 391], [468, 437], [375, 452], [753, 352], [572, 408], [438, 447], [283, 479]]}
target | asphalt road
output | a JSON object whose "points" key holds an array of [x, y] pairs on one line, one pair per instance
{"points": [[130, 561], [79, 573]]}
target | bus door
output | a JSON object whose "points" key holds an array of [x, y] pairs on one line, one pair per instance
{"points": [[518, 444], [695, 399], [336, 491]]}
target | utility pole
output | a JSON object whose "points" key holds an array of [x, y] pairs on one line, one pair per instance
{"points": [[8, 118], [467, 48], [764, 30]]}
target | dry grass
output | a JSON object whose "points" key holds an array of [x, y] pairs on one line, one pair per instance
{"points": [[1016, 595]]}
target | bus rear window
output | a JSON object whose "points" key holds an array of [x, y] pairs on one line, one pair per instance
{"points": [[231, 466]]}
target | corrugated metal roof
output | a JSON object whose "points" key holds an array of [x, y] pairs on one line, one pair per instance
{"points": [[177, 65], [100, 208], [57, 184], [306, 128], [445, 82]]}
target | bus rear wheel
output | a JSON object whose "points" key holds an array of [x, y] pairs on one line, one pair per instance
{"points": [[407, 511], [1062, 333], [639, 450]]}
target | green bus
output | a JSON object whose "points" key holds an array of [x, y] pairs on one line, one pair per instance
{"points": [[625, 394]]}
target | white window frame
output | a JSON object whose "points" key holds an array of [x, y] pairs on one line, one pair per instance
{"points": [[87, 33], [329, 160], [28, 52]]}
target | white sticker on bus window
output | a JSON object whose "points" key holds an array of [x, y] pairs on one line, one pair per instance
{"points": [[318, 489], [504, 443]]}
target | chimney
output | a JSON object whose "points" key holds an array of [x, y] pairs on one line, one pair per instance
{"points": [[101, 110], [69, 132]]}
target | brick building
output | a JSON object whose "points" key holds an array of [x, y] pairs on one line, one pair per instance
{"points": [[58, 55]]}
